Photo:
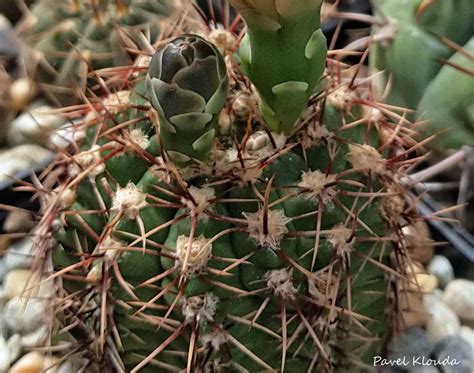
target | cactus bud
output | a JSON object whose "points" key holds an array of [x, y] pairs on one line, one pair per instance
{"points": [[187, 84]]}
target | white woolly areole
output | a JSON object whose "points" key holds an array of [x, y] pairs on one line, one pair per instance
{"points": [[314, 135], [341, 239], [366, 157], [117, 102], [315, 182], [200, 308], [88, 158], [280, 283], [215, 339], [129, 200], [66, 198], [276, 227], [201, 197], [140, 138], [339, 97], [392, 206], [197, 255]]}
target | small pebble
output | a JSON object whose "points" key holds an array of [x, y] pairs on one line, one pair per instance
{"points": [[442, 322], [468, 335], [16, 282], [22, 159], [24, 283], [459, 296], [18, 221], [34, 126], [24, 316], [441, 267], [20, 256], [426, 282], [454, 348], [5, 357], [413, 344], [35, 339], [3, 269], [32, 362], [21, 92], [14, 345]]}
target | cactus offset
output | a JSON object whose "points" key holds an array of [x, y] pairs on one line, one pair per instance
{"points": [[411, 46], [258, 251]]}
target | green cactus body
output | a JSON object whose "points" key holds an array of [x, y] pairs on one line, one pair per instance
{"points": [[410, 51], [448, 103], [283, 53], [409, 48], [263, 252], [65, 40]]}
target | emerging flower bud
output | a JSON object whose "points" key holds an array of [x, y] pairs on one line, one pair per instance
{"points": [[187, 84]]}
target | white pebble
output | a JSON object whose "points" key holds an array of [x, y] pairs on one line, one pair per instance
{"points": [[14, 346], [459, 296], [442, 321], [24, 315], [441, 267], [22, 158], [20, 255], [5, 357], [24, 283], [34, 126], [35, 339]]}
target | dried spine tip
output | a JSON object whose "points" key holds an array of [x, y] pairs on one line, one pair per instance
{"points": [[194, 258], [129, 200], [200, 308], [341, 239], [280, 283], [317, 183], [267, 232], [366, 157]]}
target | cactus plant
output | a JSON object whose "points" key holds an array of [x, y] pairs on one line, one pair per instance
{"points": [[448, 102], [410, 44], [247, 245], [66, 40]]}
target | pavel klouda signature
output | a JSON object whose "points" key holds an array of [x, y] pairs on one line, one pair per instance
{"points": [[415, 361]]}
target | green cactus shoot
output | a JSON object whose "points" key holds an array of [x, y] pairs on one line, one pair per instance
{"points": [[204, 226]]}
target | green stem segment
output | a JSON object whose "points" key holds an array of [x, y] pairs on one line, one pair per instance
{"points": [[284, 54]]}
